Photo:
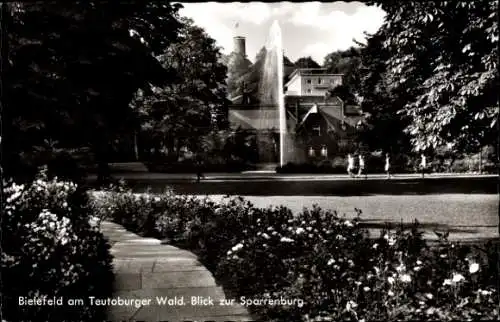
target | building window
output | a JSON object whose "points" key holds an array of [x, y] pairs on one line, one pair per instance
{"points": [[309, 91], [320, 81], [311, 152], [317, 131], [308, 81]]}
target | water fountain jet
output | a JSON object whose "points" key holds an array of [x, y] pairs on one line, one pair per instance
{"points": [[271, 87]]}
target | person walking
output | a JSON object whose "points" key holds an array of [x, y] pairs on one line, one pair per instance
{"points": [[350, 165], [199, 169], [423, 164], [361, 166], [387, 167]]}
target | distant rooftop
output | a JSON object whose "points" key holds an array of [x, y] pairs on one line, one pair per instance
{"points": [[312, 71]]}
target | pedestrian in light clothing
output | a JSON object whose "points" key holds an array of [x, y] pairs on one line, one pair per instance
{"points": [[361, 166], [350, 165], [423, 164], [387, 167]]}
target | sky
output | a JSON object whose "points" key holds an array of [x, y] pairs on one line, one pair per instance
{"points": [[309, 29]]}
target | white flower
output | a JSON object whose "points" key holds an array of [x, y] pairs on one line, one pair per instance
{"points": [[330, 262], [351, 305], [442, 255], [366, 288], [348, 223], [357, 283], [392, 241], [457, 278], [401, 268], [429, 296], [419, 262], [390, 293], [474, 267], [237, 247], [309, 228], [405, 278], [416, 268], [484, 292], [375, 246], [286, 240], [390, 279], [447, 282], [430, 311], [299, 230], [377, 270]]}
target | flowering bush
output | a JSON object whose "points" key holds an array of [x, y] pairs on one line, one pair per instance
{"points": [[326, 260], [51, 247]]}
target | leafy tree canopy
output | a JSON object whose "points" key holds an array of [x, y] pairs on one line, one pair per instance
{"points": [[442, 61], [72, 69], [194, 104]]}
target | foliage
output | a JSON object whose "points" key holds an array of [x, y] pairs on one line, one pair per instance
{"points": [[306, 62], [237, 66], [442, 65], [71, 70], [192, 106], [51, 246], [385, 130], [248, 80], [326, 261], [347, 63]]}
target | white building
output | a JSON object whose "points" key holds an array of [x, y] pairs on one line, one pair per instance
{"points": [[311, 82]]}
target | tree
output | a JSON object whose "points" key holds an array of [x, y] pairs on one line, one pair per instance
{"points": [[306, 62], [237, 66], [72, 70], [179, 114], [442, 61], [347, 63], [385, 127]]}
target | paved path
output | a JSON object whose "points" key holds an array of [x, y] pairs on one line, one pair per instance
{"points": [[147, 271]]}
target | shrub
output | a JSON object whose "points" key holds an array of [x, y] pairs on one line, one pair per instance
{"points": [[327, 262], [51, 247]]}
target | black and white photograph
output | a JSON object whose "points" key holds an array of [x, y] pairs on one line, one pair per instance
{"points": [[249, 161]]}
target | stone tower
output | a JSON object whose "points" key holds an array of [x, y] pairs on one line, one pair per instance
{"points": [[239, 46]]}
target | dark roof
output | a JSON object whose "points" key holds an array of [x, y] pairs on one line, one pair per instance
{"points": [[353, 110], [311, 99], [312, 71], [266, 117]]}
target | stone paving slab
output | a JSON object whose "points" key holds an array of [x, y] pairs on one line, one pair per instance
{"points": [[183, 279], [146, 272]]}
